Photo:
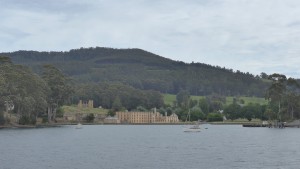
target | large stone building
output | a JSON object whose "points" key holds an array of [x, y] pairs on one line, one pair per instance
{"points": [[86, 104], [146, 117]]}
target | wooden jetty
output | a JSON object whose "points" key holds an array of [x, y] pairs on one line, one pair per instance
{"points": [[255, 125]]}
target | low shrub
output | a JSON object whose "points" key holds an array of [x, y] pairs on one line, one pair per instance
{"points": [[26, 120], [214, 117], [2, 119]]}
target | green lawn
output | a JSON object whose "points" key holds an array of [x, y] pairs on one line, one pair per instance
{"points": [[75, 109], [170, 98], [247, 100]]}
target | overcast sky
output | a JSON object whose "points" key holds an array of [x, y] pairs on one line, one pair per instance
{"points": [[248, 35]]}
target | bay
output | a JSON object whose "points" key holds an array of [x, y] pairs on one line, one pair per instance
{"points": [[149, 147]]}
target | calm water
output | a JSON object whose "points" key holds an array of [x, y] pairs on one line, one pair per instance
{"points": [[149, 147]]}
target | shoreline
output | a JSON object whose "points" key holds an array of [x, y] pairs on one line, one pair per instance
{"points": [[244, 124], [134, 124]]}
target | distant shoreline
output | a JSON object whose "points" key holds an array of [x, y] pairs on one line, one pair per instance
{"points": [[245, 124], [65, 124]]}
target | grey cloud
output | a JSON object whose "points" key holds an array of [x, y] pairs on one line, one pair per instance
{"points": [[217, 32], [294, 24], [51, 6], [13, 33]]}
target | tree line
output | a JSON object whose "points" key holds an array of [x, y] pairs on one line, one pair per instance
{"points": [[28, 95], [133, 79], [283, 97], [145, 71], [117, 96]]}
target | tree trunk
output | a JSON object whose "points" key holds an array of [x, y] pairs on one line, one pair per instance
{"points": [[279, 115], [18, 114], [54, 114], [49, 114], [292, 112]]}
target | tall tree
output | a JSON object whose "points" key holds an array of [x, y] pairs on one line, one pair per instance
{"points": [[22, 90], [59, 90], [204, 105], [117, 105], [233, 111], [183, 98], [283, 90], [276, 91]]}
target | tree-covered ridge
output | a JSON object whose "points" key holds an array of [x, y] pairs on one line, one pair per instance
{"points": [[144, 70], [117, 96], [28, 95], [25, 95], [21, 92]]}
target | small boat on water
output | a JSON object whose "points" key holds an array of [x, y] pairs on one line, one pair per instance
{"points": [[78, 126], [195, 128]]}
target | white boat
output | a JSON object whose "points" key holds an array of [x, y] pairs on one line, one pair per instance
{"points": [[78, 126], [195, 128]]}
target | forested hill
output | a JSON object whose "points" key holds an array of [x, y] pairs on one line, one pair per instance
{"points": [[143, 70]]}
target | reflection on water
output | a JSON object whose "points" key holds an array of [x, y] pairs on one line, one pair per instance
{"points": [[149, 147]]}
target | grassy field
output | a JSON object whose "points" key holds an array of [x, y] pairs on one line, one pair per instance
{"points": [[247, 100], [75, 109], [169, 99]]}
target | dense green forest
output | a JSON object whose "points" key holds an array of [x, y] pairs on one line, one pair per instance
{"points": [[144, 70], [117, 96], [37, 84], [27, 95]]}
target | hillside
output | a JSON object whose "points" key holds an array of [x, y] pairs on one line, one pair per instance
{"points": [[143, 70], [170, 99]]}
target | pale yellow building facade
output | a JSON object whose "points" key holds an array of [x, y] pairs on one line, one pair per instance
{"points": [[85, 104], [146, 117]]}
